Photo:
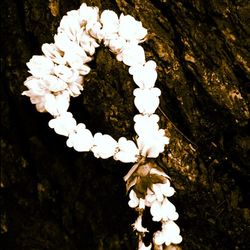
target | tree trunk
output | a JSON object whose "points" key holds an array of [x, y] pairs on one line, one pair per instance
{"points": [[54, 198]]}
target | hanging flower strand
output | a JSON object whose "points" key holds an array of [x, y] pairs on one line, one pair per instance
{"points": [[58, 75]]}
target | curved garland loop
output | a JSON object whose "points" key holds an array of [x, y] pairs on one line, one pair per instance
{"points": [[58, 75]]}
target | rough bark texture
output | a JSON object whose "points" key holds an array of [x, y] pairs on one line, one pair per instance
{"points": [[54, 198]]}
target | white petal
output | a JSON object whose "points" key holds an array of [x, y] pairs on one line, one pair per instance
{"points": [[82, 140], [145, 76], [133, 54], [54, 83], [52, 52], [40, 66], [65, 73], [158, 192], [131, 29], [50, 104], [159, 238], [134, 201], [155, 211], [145, 101], [105, 146], [125, 157], [62, 103], [167, 190]]}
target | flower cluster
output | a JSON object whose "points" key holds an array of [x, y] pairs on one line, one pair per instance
{"points": [[58, 75], [154, 196]]}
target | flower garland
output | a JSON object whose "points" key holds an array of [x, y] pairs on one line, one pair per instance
{"points": [[58, 75]]}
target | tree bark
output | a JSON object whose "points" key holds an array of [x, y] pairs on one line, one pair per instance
{"points": [[55, 198]]}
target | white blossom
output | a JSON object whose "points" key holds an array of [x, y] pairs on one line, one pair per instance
{"points": [[52, 52], [88, 16], [144, 75], [70, 25], [76, 62], [128, 151], [151, 145], [168, 210], [166, 189], [96, 32], [63, 124], [36, 86], [54, 84], [81, 139], [134, 200], [88, 43], [163, 209], [40, 66], [65, 73], [147, 100], [170, 234], [146, 124], [110, 23], [138, 225], [130, 29], [75, 88], [104, 146], [56, 104], [132, 54], [116, 44]]}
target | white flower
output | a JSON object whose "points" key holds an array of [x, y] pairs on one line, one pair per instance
{"points": [[128, 152], [110, 22], [54, 84], [150, 197], [76, 87], [81, 139], [132, 54], [145, 124], [36, 86], [130, 29], [170, 234], [162, 209], [147, 100], [158, 193], [138, 225], [38, 100], [156, 210], [70, 48], [151, 145], [104, 146], [63, 124], [56, 104], [96, 32], [52, 52], [67, 74], [88, 15], [77, 63], [145, 75], [168, 210], [50, 104], [40, 66], [88, 43], [134, 200], [70, 25], [116, 44], [159, 238], [166, 189]]}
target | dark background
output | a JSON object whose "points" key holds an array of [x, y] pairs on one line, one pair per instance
{"points": [[55, 198]]}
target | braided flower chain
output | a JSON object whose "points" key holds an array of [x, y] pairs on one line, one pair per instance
{"points": [[58, 75]]}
